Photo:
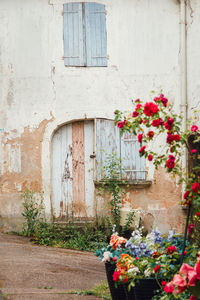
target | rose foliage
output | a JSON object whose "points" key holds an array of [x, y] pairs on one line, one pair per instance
{"points": [[154, 122]]}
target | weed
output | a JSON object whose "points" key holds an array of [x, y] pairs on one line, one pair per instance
{"points": [[100, 290], [33, 209]]}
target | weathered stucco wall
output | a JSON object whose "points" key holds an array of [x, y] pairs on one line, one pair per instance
{"points": [[38, 93]]}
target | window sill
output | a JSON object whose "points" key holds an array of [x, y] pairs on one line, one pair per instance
{"points": [[137, 184]]}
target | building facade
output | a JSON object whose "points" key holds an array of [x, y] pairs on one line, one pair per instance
{"points": [[65, 66]]}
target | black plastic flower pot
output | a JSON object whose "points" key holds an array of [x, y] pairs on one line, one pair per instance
{"points": [[145, 288], [130, 294], [117, 293]]}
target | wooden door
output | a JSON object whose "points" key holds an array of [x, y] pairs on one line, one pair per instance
{"points": [[72, 171]]}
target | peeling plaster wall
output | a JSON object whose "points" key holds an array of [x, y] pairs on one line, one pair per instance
{"points": [[38, 93]]}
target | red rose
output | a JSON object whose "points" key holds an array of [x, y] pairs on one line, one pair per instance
{"points": [[170, 164], [150, 134], [161, 122], [194, 128], [141, 121], [156, 123], [170, 138], [171, 158], [195, 187], [169, 287], [190, 228], [157, 268], [137, 258], [150, 109], [137, 100], [135, 114], [150, 157], [116, 275], [114, 258], [156, 254], [176, 137], [192, 298], [169, 123], [193, 151], [140, 137], [198, 214], [171, 249], [163, 282], [120, 124], [138, 106], [163, 100], [142, 149], [125, 279], [186, 194]]}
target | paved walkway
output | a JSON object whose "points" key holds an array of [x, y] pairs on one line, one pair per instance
{"points": [[28, 271]]}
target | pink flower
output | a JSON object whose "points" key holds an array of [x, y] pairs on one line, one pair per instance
{"points": [[150, 109], [114, 258], [197, 269], [194, 128], [180, 283], [193, 151], [140, 136], [169, 288], [198, 214], [192, 298], [150, 157], [195, 187], [116, 275], [137, 258]]}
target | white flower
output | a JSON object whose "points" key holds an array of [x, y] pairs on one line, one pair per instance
{"points": [[147, 272], [106, 256], [133, 271]]}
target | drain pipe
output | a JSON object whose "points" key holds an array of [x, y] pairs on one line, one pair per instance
{"points": [[183, 76]]}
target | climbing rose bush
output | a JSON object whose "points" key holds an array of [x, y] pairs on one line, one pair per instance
{"points": [[154, 122]]}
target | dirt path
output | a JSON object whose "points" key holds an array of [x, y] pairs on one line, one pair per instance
{"points": [[28, 271]]}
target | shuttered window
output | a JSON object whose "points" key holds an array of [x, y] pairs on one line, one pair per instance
{"points": [[126, 147], [85, 35]]}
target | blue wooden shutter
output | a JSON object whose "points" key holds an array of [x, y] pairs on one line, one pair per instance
{"points": [[95, 26], [107, 142], [132, 163], [73, 35]]}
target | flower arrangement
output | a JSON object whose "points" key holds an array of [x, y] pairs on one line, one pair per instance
{"points": [[151, 256]]}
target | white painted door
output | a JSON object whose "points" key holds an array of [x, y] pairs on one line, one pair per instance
{"points": [[72, 171]]}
